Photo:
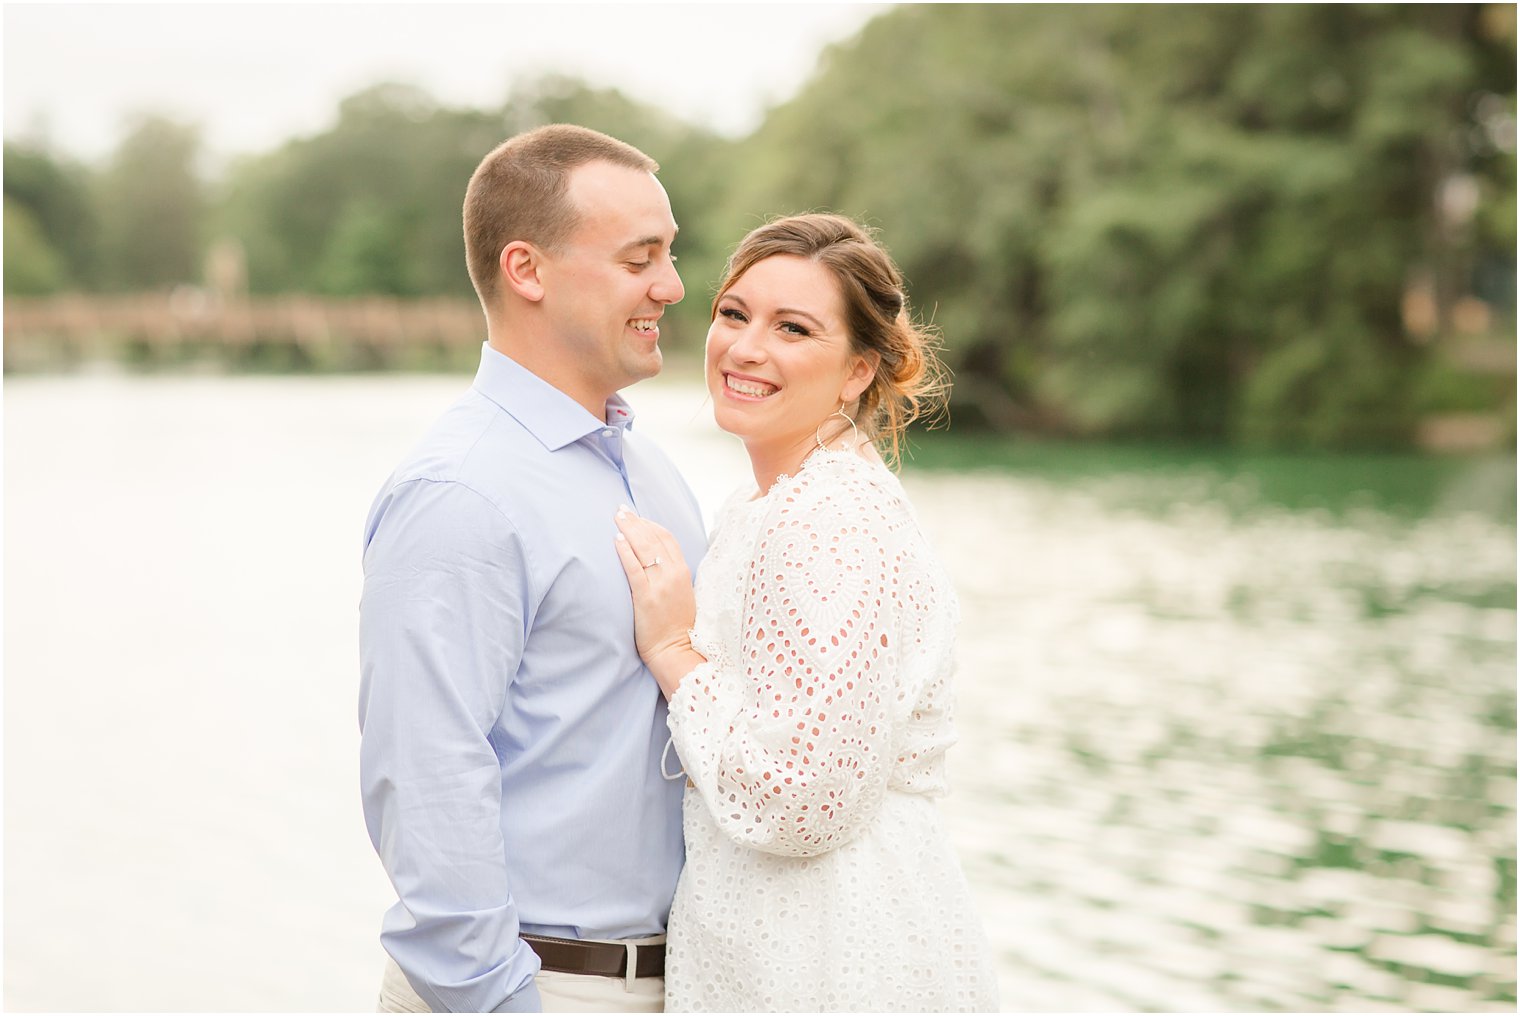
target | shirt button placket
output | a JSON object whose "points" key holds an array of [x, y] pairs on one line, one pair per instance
{"points": [[612, 442]]}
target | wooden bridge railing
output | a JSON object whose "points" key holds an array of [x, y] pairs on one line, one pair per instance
{"points": [[62, 329]]}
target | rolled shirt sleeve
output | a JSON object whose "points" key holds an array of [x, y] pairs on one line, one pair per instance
{"points": [[443, 618]]}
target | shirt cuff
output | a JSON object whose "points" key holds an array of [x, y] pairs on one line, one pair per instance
{"points": [[524, 999]]}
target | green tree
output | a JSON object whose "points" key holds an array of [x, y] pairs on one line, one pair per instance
{"points": [[1162, 220], [315, 214], [32, 266], [151, 206], [53, 198], [368, 252]]}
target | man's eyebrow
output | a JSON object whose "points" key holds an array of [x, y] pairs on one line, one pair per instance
{"points": [[645, 241]]}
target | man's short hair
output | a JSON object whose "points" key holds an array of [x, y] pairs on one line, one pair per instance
{"points": [[520, 192]]}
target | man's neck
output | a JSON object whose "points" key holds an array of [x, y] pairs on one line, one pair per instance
{"points": [[526, 349]]}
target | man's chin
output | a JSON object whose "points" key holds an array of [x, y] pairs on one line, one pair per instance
{"points": [[647, 365]]}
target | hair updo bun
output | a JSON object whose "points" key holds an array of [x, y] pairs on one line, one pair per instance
{"points": [[910, 381]]}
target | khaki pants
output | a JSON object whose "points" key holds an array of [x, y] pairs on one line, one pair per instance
{"points": [[560, 992]]}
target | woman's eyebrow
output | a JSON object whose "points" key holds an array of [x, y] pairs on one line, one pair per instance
{"points": [[793, 312], [780, 311]]}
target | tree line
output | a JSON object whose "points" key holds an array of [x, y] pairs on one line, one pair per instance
{"points": [[1249, 224]]}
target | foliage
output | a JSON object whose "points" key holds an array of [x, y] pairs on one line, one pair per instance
{"points": [[151, 205], [371, 205], [32, 266], [56, 221], [1199, 222], [1159, 220]]}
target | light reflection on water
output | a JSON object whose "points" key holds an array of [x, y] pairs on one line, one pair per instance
{"points": [[1216, 754], [1226, 760]]}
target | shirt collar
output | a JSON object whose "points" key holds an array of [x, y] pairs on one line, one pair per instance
{"points": [[544, 411]]}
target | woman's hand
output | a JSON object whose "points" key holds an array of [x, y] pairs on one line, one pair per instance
{"points": [[664, 606]]}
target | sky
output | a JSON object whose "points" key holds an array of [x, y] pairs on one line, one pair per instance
{"points": [[254, 75]]}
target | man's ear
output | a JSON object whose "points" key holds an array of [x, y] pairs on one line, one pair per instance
{"points": [[520, 263], [860, 376]]}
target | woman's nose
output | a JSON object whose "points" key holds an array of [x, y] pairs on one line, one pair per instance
{"points": [[747, 345]]}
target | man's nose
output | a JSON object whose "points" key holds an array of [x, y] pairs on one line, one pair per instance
{"points": [[667, 288]]}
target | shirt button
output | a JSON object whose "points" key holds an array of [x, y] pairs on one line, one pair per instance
{"points": [[609, 432]]}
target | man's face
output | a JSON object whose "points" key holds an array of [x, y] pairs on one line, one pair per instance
{"points": [[606, 289]]}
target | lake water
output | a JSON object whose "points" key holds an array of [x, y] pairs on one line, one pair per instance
{"points": [[1221, 749]]}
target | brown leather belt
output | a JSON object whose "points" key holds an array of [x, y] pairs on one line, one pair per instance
{"points": [[606, 959]]}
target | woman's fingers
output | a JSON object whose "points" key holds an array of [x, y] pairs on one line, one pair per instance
{"points": [[635, 533], [631, 566], [663, 605], [671, 548], [652, 545]]}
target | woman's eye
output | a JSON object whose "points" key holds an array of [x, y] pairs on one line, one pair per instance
{"points": [[794, 329], [732, 314]]}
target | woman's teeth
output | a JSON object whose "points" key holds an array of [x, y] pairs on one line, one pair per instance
{"points": [[758, 389]]}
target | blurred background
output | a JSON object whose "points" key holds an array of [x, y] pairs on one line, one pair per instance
{"points": [[1228, 491]]}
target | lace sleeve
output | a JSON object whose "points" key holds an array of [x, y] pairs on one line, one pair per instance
{"points": [[790, 743]]}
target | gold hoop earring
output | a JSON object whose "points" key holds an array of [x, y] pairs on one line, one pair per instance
{"points": [[854, 431]]}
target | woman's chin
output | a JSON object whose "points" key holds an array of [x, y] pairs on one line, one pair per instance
{"points": [[732, 420]]}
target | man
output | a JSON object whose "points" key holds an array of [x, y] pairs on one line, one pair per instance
{"points": [[512, 739]]}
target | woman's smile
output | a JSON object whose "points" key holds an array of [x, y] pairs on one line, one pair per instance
{"points": [[748, 388]]}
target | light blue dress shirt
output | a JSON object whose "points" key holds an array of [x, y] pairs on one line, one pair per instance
{"points": [[512, 738]]}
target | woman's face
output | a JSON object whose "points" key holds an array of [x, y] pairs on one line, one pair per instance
{"points": [[778, 354]]}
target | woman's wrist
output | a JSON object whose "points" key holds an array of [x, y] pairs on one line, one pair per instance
{"points": [[671, 663]]}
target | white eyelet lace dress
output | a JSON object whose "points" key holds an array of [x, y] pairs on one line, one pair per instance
{"points": [[818, 877]]}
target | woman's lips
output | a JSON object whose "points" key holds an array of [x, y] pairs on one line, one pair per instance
{"points": [[748, 387]]}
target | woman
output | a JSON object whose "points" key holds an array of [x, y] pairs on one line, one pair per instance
{"points": [[808, 674]]}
